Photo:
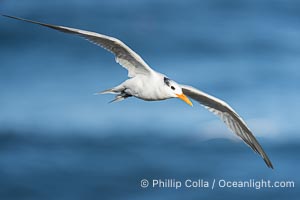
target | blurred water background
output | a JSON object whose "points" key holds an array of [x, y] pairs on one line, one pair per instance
{"points": [[59, 141]]}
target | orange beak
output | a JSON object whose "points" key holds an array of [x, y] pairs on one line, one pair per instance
{"points": [[184, 98]]}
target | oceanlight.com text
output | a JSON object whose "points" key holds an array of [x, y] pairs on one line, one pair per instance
{"points": [[215, 183]]}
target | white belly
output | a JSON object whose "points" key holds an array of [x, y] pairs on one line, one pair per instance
{"points": [[146, 88]]}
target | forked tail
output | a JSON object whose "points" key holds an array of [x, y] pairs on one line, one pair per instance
{"points": [[121, 95]]}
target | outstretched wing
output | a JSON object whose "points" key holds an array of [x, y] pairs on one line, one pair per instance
{"points": [[234, 122], [124, 55]]}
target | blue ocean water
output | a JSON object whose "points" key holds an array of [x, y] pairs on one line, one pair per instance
{"points": [[59, 141]]}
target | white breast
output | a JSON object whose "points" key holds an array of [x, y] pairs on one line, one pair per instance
{"points": [[150, 88]]}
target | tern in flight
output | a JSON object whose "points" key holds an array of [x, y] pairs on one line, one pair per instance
{"points": [[147, 84]]}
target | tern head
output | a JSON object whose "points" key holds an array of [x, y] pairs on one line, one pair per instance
{"points": [[175, 91]]}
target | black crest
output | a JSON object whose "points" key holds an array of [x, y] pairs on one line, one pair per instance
{"points": [[167, 81]]}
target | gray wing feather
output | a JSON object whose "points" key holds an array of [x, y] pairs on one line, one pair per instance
{"points": [[234, 122], [124, 55]]}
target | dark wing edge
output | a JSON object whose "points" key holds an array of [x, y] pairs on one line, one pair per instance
{"points": [[124, 55], [234, 122]]}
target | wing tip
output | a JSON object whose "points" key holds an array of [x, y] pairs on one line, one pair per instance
{"points": [[269, 163], [13, 17], [9, 16]]}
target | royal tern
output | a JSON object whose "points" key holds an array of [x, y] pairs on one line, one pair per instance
{"points": [[146, 84]]}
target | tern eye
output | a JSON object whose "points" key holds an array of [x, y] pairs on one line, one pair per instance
{"points": [[172, 87]]}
